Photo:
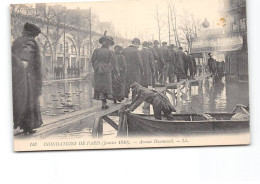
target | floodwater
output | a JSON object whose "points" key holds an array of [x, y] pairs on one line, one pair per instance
{"points": [[65, 97]]}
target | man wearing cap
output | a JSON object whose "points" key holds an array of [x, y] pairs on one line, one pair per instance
{"points": [[103, 62], [180, 64], [172, 63], [134, 64], [27, 80], [159, 62], [166, 58], [148, 64]]}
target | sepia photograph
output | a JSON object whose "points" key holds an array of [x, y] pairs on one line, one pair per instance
{"points": [[129, 74]]}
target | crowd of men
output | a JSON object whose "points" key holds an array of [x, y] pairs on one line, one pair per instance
{"points": [[72, 71], [115, 71]]}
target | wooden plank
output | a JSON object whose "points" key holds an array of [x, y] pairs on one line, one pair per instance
{"points": [[64, 124], [100, 127], [110, 122]]}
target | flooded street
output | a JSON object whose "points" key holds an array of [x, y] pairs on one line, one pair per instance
{"points": [[65, 97]]}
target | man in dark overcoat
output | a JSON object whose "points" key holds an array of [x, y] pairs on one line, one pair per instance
{"points": [[180, 65], [103, 62], [119, 83], [166, 58], [27, 80], [134, 64], [159, 62], [172, 64], [148, 63], [155, 57]]}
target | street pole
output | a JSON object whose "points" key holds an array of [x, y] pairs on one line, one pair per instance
{"points": [[64, 46], [90, 40]]}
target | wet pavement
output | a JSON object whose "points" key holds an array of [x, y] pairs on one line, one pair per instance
{"points": [[65, 97]]}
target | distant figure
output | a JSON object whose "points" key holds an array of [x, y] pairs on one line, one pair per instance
{"points": [[148, 63], [103, 62], [160, 101], [134, 64], [119, 78], [159, 62], [211, 64], [27, 80]]}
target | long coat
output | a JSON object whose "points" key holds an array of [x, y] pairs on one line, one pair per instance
{"points": [[103, 62], [180, 64], [148, 63], [27, 83], [118, 81], [134, 65], [159, 60]]}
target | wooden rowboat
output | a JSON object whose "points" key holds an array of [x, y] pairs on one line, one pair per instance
{"points": [[206, 123]]}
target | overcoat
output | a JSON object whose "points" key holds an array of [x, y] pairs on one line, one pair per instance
{"points": [[25, 49], [160, 60], [118, 81], [134, 65], [103, 62], [148, 63], [180, 64]]}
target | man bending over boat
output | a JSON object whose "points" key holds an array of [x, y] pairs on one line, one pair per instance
{"points": [[159, 101]]}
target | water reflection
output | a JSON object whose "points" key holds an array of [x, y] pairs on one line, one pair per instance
{"points": [[65, 97]]}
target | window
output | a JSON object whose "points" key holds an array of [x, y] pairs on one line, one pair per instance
{"points": [[60, 49], [72, 49], [67, 47]]}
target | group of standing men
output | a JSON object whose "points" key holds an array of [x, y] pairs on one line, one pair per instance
{"points": [[115, 71]]}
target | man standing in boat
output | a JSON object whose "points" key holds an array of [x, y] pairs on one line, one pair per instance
{"points": [[103, 62], [160, 101]]}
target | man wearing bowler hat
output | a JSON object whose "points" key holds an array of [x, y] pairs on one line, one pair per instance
{"points": [[27, 80], [134, 65]]}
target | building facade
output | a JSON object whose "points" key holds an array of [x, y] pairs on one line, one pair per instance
{"points": [[228, 42], [65, 38]]}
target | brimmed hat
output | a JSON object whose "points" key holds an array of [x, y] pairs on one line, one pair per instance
{"points": [[180, 48], [150, 43], [145, 44], [156, 42], [136, 40], [31, 28], [172, 46], [118, 48], [106, 38], [164, 43]]}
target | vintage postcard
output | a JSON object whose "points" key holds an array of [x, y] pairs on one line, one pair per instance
{"points": [[129, 74]]}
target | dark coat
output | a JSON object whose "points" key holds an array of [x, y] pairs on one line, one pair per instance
{"points": [[134, 65], [166, 54], [148, 63], [159, 60], [173, 61], [103, 62], [26, 49], [118, 81], [180, 64]]}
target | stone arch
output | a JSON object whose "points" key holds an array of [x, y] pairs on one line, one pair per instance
{"points": [[69, 37], [47, 52]]}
